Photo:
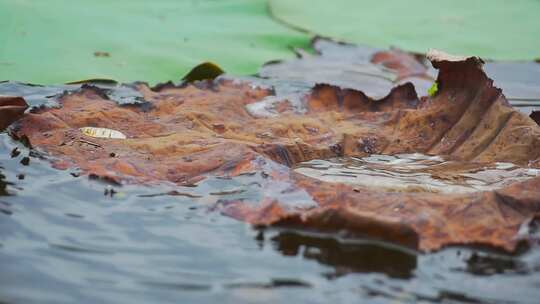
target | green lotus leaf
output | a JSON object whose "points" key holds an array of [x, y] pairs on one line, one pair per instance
{"points": [[492, 29], [60, 41]]}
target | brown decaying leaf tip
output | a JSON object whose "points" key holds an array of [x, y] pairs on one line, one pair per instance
{"points": [[535, 115], [11, 109], [193, 132]]}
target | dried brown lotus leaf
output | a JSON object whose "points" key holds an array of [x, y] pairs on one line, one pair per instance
{"points": [[204, 129]]}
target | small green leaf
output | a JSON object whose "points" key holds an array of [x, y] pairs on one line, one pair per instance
{"points": [[205, 70], [433, 89]]}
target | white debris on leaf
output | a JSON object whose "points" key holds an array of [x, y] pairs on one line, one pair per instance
{"points": [[102, 133], [437, 55]]}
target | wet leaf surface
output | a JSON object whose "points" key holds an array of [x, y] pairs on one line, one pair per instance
{"points": [[215, 129], [38, 96], [375, 71], [343, 65]]}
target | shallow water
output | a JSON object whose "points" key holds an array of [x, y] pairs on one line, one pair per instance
{"points": [[416, 172], [67, 239]]}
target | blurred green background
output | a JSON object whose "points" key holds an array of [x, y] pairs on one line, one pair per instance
{"points": [[57, 41]]}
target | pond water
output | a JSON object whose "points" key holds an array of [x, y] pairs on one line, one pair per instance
{"points": [[67, 239]]}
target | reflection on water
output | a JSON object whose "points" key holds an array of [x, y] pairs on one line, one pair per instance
{"points": [[416, 172], [69, 239], [347, 257]]}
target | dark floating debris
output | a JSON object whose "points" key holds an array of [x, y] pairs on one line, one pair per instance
{"points": [[25, 161], [15, 152]]}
